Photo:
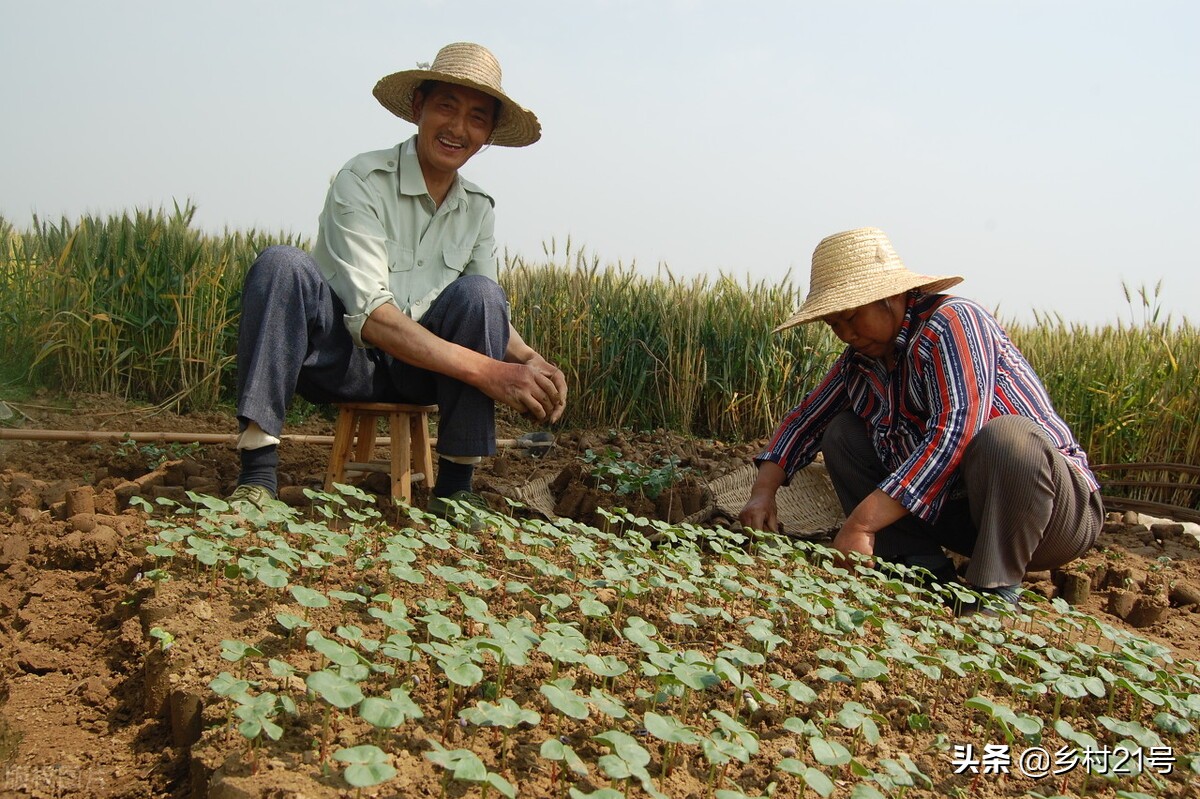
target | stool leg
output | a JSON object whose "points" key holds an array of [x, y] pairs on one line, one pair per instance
{"points": [[422, 455], [343, 438], [364, 447], [401, 470]]}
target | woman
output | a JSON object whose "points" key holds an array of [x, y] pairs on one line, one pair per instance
{"points": [[936, 432]]}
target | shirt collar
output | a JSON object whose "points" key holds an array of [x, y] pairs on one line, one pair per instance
{"points": [[910, 319], [412, 181]]}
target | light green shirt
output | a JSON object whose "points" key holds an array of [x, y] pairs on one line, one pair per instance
{"points": [[381, 238]]}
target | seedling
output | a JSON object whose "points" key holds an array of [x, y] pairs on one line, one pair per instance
{"points": [[671, 732], [465, 765], [627, 759], [506, 714], [164, 638], [368, 766]]}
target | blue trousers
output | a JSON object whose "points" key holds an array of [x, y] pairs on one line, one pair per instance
{"points": [[292, 340]]}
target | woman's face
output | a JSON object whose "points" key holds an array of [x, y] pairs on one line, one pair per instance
{"points": [[870, 329]]}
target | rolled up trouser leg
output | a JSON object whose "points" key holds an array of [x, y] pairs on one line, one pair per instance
{"points": [[1032, 509], [472, 312]]}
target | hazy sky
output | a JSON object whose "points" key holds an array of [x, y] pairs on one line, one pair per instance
{"points": [[1048, 151]]}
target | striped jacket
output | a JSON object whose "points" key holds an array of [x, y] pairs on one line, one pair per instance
{"points": [[955, 369]]}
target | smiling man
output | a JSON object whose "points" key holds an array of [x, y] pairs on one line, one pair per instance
{"points": [[399, 300], [935, 430]]}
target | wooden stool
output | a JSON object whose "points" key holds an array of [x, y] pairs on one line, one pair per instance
{"points": [[354, 437]]}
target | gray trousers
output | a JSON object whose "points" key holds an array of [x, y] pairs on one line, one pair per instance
{"points": [[1026, 508], [292, 340]]}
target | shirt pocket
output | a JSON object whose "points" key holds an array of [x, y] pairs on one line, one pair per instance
{"points": [[456, 258], [400, 259]]}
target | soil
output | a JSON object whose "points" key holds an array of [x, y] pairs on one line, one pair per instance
{"points": [[90, 707]]}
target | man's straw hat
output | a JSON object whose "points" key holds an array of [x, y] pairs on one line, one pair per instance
{"points": [[857, 268], [463, 64]]}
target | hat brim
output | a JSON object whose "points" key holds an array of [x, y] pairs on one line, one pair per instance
{"points": [[518, 126], [849, 295]]}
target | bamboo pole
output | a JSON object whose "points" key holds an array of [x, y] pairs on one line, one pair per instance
{"points": [[13, 434]]}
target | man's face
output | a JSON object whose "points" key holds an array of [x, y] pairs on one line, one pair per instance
{"points": [[453, 123], [870, 329]]}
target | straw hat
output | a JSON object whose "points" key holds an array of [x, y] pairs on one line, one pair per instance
{"points": [[857, 268], [463, 64]]}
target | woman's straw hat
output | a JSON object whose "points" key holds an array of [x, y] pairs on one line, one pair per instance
{"points": [[857, 268], [469, 65]]}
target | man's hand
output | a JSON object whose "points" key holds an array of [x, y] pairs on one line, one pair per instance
{"points": [[524, 380], [560, 385], [542, 401], [535, 387]]}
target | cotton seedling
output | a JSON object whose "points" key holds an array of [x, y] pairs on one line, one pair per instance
{"points": [[720, 747], [746, 691], [510, 644], [393, 614], [743, 657], [1071, 686], [229, 688], [505, 714], [258, 713], [308, 599], [333, 651], [209, 553], [440, 627], [607, 704], [355, 637], [389, 712], [554, 605], [290, 623], [829, 752], [457, 662], [556, 752], [898, 775], [682, 673], [239, 652], [165, 639], [797, 690], [563, 697], [367, 766], [856, 717], [641, 633], [465, 765], [1144, 738], [812, 777], [1172, 724], [672, 732], [398, 646], [626, 760], [1007, 719], [1142, 695], [338, 692]]}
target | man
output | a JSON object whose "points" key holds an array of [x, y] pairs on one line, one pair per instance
{"points": [[935, 430], [398, 301]]}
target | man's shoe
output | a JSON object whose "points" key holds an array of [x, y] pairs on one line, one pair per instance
{"points": [[461, 506], [247, 494]]}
